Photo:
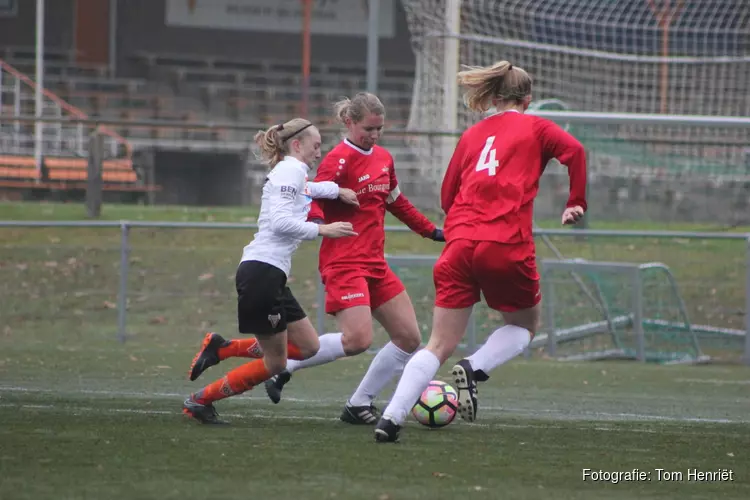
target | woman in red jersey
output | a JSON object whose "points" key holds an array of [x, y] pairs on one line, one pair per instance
{"points": [[488, 196], [359, 284]]}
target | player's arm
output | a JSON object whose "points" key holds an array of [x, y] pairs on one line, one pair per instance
{"points": [[326, 173], [287, 183], [327, 190], [559, 144], [452, 178], [400, 206]]}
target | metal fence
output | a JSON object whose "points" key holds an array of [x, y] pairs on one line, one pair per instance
{"points": [[134, 278]]}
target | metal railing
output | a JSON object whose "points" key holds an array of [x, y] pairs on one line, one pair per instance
{"points": [[66, 134], [563, 117], [704, 301]]}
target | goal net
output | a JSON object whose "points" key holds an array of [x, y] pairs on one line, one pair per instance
{"points": [[640, 56], [637, 312]]}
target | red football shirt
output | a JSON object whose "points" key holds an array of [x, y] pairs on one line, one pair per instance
{"points": [[372, 176], [493, 177]]}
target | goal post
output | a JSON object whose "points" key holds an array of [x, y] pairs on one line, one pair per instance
{"points": [[644, 317], [450, 82]]}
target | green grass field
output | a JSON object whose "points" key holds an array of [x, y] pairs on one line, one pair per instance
{"points": [[90, 420], [87, 417]]}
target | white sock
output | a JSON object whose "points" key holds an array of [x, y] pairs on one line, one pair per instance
{"points": [[419, 371], [331, 349], [503, 345], [388, 363]]}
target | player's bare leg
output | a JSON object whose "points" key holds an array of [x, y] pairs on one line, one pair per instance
{"points": [[355, 324], [526, 318], [200, 405], [302, 334], [398, 318], [448, 327]]}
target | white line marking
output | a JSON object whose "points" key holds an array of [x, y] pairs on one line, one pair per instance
{"points": [[77, 410], [534, 413], [599, 415], [4, 388], [137, 411], [715, 381], [152, 395]]}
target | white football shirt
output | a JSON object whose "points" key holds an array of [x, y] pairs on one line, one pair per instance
{"points": [[282, 223]]}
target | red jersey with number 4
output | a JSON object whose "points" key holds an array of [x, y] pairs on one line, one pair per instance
{"points": [[493, 177], [371, 175]]}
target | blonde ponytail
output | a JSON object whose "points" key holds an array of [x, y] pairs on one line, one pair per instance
{"points": [[273, 141], [501, 81], [357, 107], [341, 109], [270, 145]]}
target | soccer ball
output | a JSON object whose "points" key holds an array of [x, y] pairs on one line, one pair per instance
{"points": [[437, 406]]}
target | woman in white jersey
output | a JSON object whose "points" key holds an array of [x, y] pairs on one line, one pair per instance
{"points": [[265, 304]]}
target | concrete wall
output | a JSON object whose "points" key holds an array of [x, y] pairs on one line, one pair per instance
{"points": [[208, 179]]}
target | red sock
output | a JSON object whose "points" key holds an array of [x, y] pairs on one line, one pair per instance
{"points": [[237, 381], [241, 348]]}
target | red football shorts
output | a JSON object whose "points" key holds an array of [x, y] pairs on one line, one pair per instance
{"points": [[505, 273], [349, 287]]}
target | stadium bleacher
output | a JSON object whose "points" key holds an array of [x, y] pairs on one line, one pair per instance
{"points": [[217, 88], [194, 89], [64, 164], [262, 90]]}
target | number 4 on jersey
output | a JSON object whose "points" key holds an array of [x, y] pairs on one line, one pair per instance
{"points": [[487, 159]]}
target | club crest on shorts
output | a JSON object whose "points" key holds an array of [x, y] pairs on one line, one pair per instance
{"points": [[274, 319]]}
